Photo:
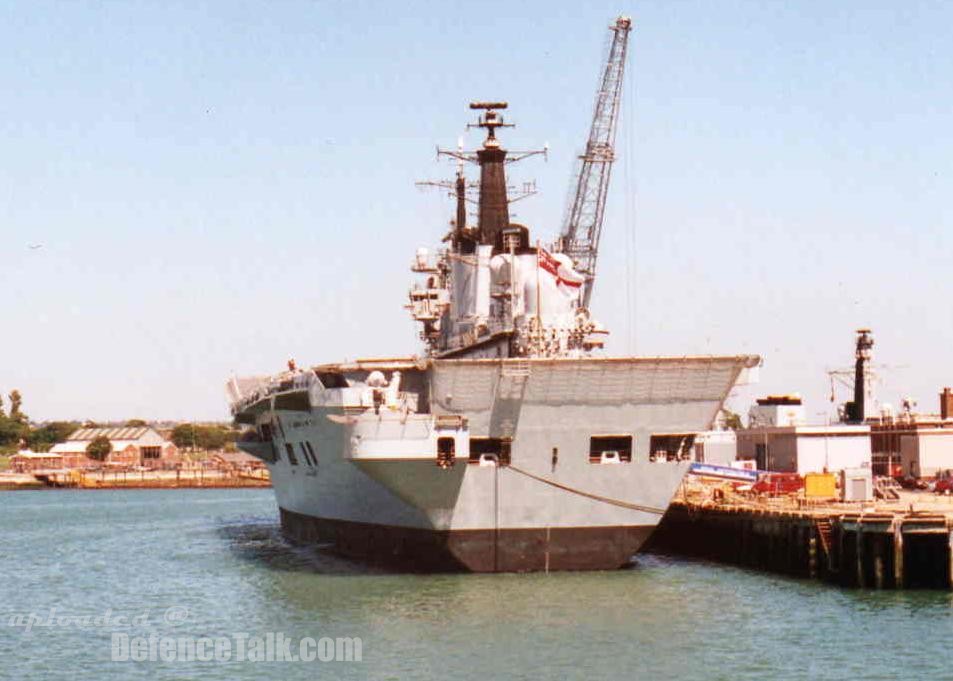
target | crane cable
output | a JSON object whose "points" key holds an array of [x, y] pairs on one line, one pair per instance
{"points": [[628, 195]]}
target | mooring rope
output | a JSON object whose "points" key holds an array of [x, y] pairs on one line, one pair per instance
{"points": [[588, 495]]}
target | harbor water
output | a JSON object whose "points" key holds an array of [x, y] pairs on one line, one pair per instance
{"points": [[79, 567]]}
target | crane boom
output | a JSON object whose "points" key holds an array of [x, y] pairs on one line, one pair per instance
{"points": [[583, 224]]}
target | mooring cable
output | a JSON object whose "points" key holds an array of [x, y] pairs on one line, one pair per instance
{"points": [[589, 495]]}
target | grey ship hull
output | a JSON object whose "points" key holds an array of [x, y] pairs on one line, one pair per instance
{"points": [[377, 484]]}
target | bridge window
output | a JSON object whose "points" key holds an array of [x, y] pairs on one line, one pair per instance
{"points": [[610, 449], [314, 457], [290, 451]]}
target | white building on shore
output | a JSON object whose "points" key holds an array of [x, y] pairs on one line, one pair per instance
{"points": [[779, 439]]}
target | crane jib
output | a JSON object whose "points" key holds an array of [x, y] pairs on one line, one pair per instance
{"points": [[583, 222]]}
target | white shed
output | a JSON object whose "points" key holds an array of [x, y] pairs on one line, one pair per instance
{"points": [[806, 449]]}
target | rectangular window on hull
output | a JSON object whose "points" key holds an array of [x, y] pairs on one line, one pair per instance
{"points": [[671, 447], [304, 453], [331, 380], [485, 448], [290, 451], [265, 432], [488, 449], [610, 449], [314, 457], [446, 451]]}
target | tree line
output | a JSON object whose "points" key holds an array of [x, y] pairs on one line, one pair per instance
{"points": [[206, 437], [15, 428], [16, 431]]}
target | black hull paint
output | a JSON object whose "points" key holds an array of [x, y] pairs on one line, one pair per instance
{"points": [[505, 550]]}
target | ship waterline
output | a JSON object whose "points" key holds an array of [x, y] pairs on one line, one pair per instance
{"points": [[487, 550]]}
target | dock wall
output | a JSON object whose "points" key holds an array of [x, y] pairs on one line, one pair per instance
{"points": [[878, 550]]}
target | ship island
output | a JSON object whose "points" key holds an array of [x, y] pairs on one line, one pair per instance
{"points": [[512, 441]]}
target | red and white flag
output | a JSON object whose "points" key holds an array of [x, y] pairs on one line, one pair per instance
{"points": [[567, 279]]}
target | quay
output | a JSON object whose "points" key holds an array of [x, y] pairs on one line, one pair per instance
{"points": [[144, 479], [900, 544]]}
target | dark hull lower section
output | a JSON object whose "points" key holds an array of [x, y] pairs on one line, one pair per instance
{"points": [[506, 550]]}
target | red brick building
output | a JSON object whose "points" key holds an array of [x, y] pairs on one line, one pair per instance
{"points": [[26, 461]]}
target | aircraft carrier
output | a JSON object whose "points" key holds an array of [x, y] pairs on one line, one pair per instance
{"points": [[511, 443]]}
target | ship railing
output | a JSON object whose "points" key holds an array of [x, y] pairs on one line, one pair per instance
{"points": [[426, 262], [297, 380]]}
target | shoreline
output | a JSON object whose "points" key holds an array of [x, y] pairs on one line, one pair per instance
{"points": [[125, 480], [39, 486]]}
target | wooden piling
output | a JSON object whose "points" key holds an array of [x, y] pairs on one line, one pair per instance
{"points": [[841, 563], [897, 527], [950, 558], [860, 553], [893, 548], [812, 553], [879, 561]]}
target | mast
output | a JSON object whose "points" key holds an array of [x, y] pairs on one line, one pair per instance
{"points": [[460, 192], [494, 198], [856, 410], [583, 224], [494, 205]]}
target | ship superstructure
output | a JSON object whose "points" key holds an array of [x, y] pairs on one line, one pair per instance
{"points": [[510, 443], [493, 292]]}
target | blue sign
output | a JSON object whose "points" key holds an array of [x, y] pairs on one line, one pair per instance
{"points": [[709, 470]]}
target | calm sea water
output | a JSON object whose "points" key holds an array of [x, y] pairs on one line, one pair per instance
{"points": [[199, 563]]}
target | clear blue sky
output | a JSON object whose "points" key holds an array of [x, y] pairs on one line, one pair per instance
{"points": [[220, 186]]}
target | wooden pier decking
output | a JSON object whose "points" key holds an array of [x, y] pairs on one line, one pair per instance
{"points": [[901, 544]]}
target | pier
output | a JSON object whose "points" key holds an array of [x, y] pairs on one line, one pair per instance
{"points": [[884, 545]]}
